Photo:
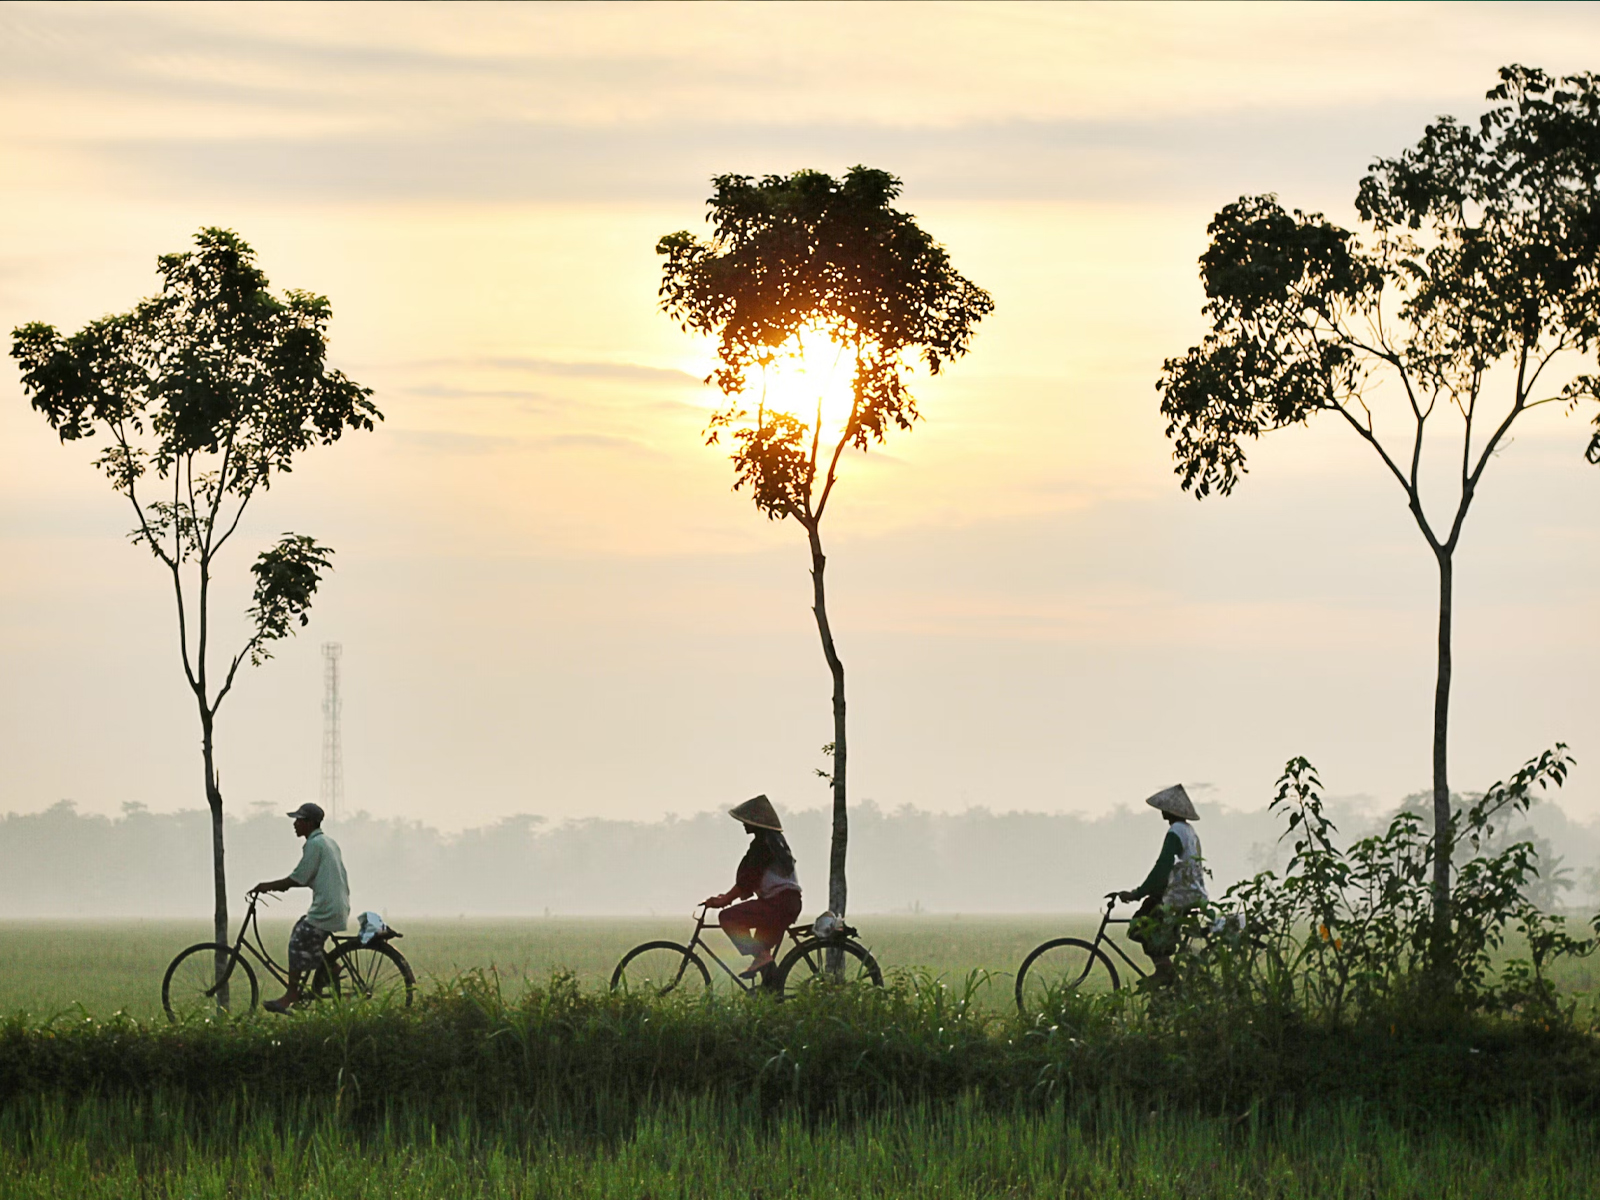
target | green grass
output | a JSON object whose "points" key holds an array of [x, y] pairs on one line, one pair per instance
{"points": [[47, 967], [157, 1148]]}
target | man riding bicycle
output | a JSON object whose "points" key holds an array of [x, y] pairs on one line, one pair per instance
{"points": [[321, 869], [1175, 884]]}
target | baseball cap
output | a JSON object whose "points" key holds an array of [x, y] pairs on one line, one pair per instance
{"points": [[308, 812]]}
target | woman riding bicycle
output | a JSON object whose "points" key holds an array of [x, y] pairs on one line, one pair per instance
{"points": [[766, 872], [1175, 884]]}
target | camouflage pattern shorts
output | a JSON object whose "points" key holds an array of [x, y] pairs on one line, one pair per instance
{"points": [[305, 946]]}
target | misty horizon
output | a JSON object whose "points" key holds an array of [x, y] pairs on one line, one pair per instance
{"points": [[147, 864]]}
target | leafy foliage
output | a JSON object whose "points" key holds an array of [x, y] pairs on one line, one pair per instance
{"points": [[802, 261], [1350, 931], [211, 388], [1482, 245], [286, 579]]}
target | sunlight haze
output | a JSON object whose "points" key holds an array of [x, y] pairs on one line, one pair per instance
{"points": [[549, 598]]}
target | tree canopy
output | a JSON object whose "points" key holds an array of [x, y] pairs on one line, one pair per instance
{"points": [[210, 387], [805, 257], [1482, 246]]}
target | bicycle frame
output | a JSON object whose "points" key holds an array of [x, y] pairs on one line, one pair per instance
{"points": [[258, 949], [1100, 938], [701, 925]]}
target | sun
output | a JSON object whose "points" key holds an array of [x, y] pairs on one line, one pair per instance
{"points": [[813, 371]]}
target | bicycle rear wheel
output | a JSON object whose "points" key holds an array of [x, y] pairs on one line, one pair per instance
{"points": [[1059, 968], [806, 966], [376, 971], [659, 968], [190, 989]]}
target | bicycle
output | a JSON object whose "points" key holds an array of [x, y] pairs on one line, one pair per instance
{"points": [[202, 978], [1068, 964], [661, 967]]}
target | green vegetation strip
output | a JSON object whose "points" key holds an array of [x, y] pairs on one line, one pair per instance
{"points": [[592, 1062], [120, 1148]]}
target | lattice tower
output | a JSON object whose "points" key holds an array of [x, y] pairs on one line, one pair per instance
{"points": [[331, 795]]}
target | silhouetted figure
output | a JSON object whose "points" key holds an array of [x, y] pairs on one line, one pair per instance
{"points": [[766, 872]]}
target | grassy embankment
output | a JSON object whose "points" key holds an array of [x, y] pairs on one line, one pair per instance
{"points": [[920, 1090]]}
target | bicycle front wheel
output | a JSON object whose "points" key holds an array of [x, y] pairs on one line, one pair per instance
{"points": [[376, 971], [659, 968], [1059, 968], [806, 966], [208, 980]]}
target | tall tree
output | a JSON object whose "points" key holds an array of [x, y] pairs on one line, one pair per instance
{"points": [[802, 271], [1475, 281], [199, 396]]}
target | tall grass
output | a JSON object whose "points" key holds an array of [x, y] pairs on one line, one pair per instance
{"points": [[160, 1147], [568, 1058]]}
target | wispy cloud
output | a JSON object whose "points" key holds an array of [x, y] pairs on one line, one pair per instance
{"points": [[445, 441]]}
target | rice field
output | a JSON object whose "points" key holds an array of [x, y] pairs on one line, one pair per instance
{"points": [[48, 967]]}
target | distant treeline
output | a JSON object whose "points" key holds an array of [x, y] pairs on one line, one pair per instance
{"points": [[61, 862]]}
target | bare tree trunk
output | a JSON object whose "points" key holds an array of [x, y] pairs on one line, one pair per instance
{"points": [[838, 891], [218, 865], [1442, 847]]}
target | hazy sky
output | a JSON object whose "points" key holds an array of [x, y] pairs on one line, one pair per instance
{"points": [[549, 599]]}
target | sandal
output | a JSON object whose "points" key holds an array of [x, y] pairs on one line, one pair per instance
{"points": [[762, 962]]}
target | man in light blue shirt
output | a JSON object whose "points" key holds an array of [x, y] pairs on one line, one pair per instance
{"points": [[322, 870]]}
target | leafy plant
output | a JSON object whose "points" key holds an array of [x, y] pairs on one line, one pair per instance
{"points": [[1350, 931]]}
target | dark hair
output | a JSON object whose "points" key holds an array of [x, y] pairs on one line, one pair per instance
{"points": [[773, 848]]}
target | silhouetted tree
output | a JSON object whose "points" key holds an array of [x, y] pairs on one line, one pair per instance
{"points": [[800, 265], [1481, 250], [200, 396]]}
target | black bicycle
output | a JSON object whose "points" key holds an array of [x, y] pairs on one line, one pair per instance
{"points": [[658, 968], [210, 978], [1069, 964], [1073, 965]]}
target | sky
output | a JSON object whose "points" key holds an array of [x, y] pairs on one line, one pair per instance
{"points": [[549, 598]]}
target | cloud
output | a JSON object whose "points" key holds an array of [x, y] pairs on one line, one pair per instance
{"points": [[593, 369], [630, 372], [440, 441], [504, 162], [595, 441], [443, 391]]}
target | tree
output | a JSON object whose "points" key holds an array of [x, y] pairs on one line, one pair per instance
{"points": [[1478, 268], [200, 396], [804, 272]]}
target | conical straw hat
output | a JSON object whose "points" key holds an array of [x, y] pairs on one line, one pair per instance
{"points": [[757, 811], [1176, 801]]}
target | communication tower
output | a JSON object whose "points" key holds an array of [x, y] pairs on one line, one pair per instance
{"points": [[331, 794]]}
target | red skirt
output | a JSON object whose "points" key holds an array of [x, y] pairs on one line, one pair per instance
{"points": [[765, 919]]}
